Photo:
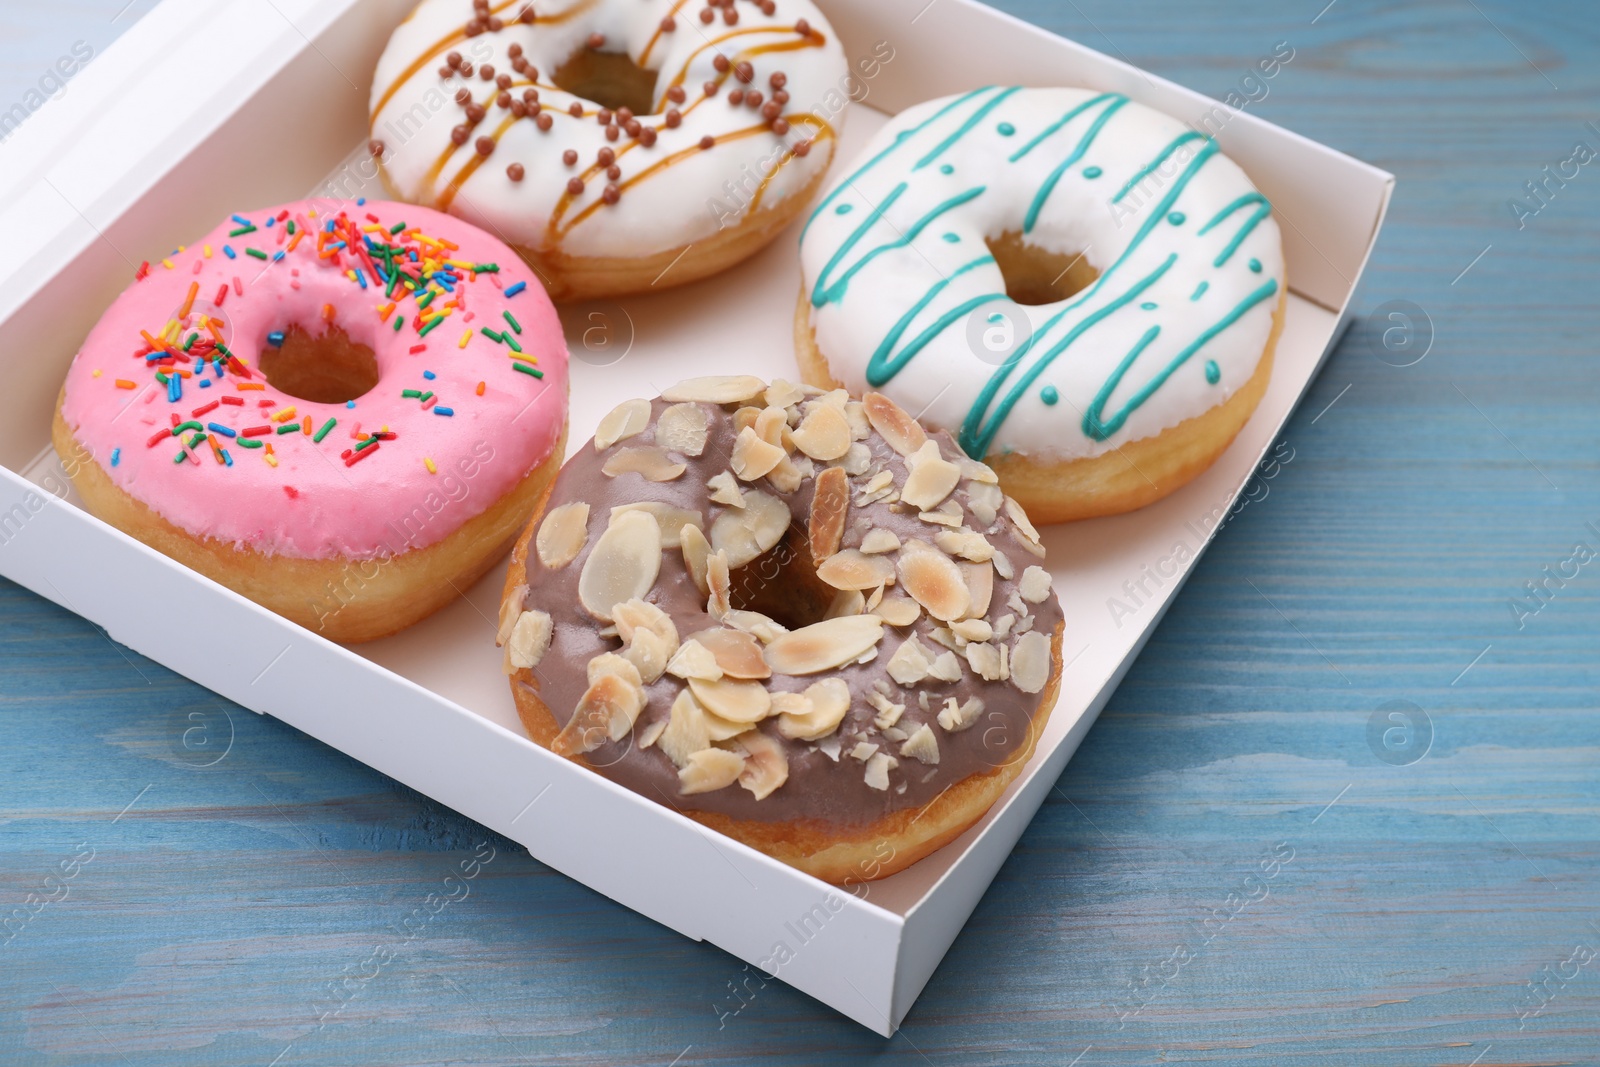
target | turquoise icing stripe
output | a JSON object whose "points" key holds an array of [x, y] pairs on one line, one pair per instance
{"points": [[818, 297], [831, 293], [975, 436], [900, 139], [1062, 121], [1099, 429], [1263, 209], [1150, 167], [883, 365], [962, 130], [1077, 153]]}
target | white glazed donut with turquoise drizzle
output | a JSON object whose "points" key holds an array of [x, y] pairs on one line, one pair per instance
{"points": [[1188, 256]]}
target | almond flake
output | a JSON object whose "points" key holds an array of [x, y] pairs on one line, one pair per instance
{"points": [[1003, 566], [782, 394], [562, 535], [828, 700], [671, 518], [530, 640], [878, 768], [696, 549], [930, 477], [984, 500], [650, 637], [622, 422], [745, 419], [753, 457], [888, 711], [718, 602], [984, 659], [682, 428], [934, 582], [735, 653], [824, 433], [757, 625], [694, 660], [771, 424], [947, 668], [716, 389], [922, 746], [957, 717], [893, 424], [623, 564], [863, 751], [785, 477], [649, 462], [853, 569], [846, 602], [1030, 536], [510, 612], [652, 733], [880, 540], [856, 413], [972, 630], [857, 460], [710, 769], [825, 645], [736, 701], [746, 533], [1034, 585], [1002, 626], [981, 473], [899, 610], [830, 504], [973, 547], [979, 578], [1030, 662], [691, 728], [765, 766], [910, 662], [725, 490], [606, 711]]}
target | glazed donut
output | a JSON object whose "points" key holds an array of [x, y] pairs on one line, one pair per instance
{"points": [[797, 618], [618, 145], [313, 406], [1084, 290]]}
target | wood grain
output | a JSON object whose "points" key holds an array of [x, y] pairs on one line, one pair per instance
{"points": [[256, 908]]}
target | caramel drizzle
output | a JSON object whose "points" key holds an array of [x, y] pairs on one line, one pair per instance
{"points": [[824, 132], [655, 38], [444, 43]]}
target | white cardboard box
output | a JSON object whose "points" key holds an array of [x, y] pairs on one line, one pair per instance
{"points": [[135, 159]]}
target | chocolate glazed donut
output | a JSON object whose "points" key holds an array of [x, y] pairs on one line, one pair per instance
{"points": [[795, 617]]}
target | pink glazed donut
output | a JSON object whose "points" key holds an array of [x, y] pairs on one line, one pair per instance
{"points": [[343, 410]]}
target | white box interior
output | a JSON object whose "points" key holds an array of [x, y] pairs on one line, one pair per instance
{"points": [[135, 162]]}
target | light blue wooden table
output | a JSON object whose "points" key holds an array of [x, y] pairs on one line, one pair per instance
{"points": [[1344, 696]]}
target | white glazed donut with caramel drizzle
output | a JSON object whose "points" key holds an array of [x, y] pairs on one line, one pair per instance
{"points": [[618, 145]]}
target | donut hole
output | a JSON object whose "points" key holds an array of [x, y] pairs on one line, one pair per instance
{"points": [[1037, 275], [611, 79], [324, 368], [783, 584]]}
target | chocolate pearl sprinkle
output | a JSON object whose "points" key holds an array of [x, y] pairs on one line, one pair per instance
{"points": [[632, 127], [802, 148], [674, 118], [466, 70], [781, 96], [459, 135], [780, 126], [771, 110], [533, 108], [544, 122], [612, 133], [530, 95], [745, 72], [753, 98], [605, 157], [445, 73], [735, 97], [463, 96], [518, 108], [526, 15], [802, 27], [515, 172], [647, 136], [473, 28], [668, 24], [513, 50], [706, 14], [570, 157], [453, 59], [375, 147], [707, 142], [504, 100], [486, 72], [495, 25], [677, 95], [611, 195], [720, 62], [475, 113], [575, 186], [624, 114], [575, 109], [484, 145], [778, 80], [531, 73], [503, 81], [730, 16], [768, 8], [603, 116], [597, 40], [613, 172], [710, 88]]}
